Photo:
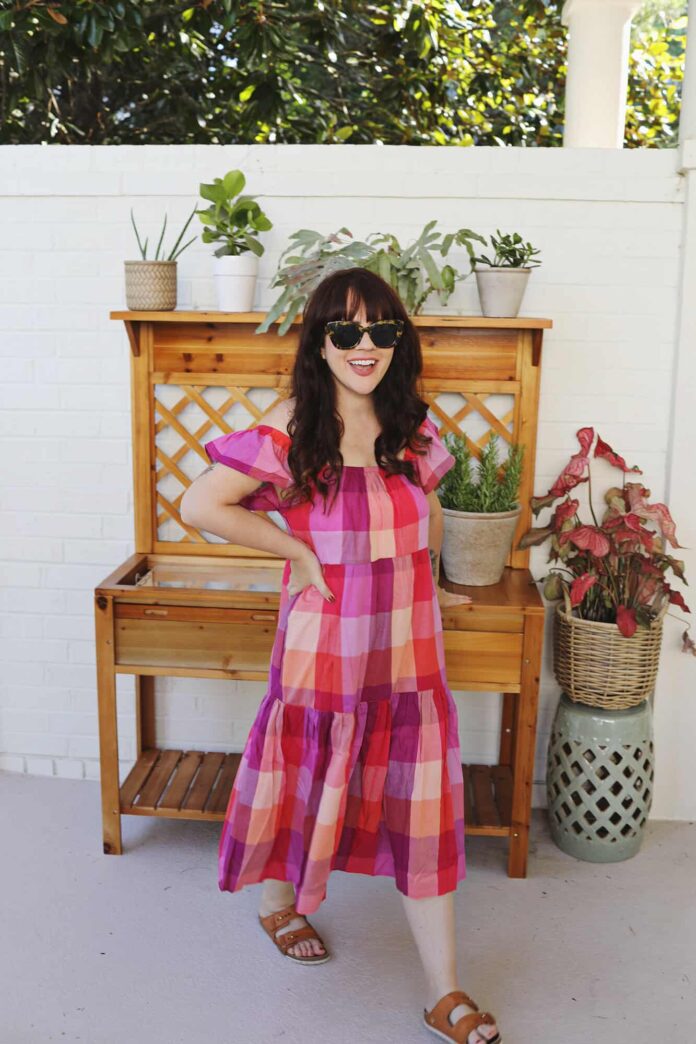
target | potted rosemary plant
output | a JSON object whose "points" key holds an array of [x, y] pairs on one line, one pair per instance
{"points": [[151, 285], [502, 280], [480, 516], [233, 220], [413, 270]]}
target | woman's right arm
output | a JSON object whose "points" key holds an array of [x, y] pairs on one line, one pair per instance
{"points": [[211, 503]]}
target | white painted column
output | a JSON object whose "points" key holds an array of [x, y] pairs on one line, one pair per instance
{"points": [[675, 692], [599, 33]]}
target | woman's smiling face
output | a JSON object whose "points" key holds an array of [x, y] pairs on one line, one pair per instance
{"points": [[353, 375]]}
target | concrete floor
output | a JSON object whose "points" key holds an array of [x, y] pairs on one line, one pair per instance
{"points": [[143, 948]]}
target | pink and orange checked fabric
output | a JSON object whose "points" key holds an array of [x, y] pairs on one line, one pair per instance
{"points": [[353, 760]]}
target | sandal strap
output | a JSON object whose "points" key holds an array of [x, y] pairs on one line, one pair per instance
{"points": [[463, 1026], [460, 997], [438, 1016], [450, 1001], [278, 919], [288, 939]]}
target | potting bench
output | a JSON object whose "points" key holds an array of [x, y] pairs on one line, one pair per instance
{"points": [[187, 606]]}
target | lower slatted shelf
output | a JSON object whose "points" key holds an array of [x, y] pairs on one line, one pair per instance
{"points": [[487, 799], [179, 784], [196, 784]]}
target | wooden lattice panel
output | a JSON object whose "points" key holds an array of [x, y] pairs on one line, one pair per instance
{"points": [[186, 417], [195, 380]]}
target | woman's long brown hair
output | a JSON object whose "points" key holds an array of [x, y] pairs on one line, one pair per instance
{"points": [[316, 427]]}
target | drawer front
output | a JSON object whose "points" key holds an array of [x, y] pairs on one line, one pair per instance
{"points": [[239, 641], [469, 617], [483, 660]]}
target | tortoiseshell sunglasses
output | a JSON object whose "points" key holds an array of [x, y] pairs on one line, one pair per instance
{"points": [[345, 333]]}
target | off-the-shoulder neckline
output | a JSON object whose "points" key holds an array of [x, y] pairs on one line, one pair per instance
{"points": [[346, 467]]}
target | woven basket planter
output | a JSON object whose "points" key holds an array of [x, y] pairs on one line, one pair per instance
{"points": [[150, 285], [596, 665]]}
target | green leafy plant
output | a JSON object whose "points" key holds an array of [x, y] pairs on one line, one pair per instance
{"points": [[232, 219], [412, 271], [174, 252], [510, 252], [497, 485]]}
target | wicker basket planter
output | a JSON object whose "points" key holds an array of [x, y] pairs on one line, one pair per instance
{"points": [[596, 665], [151, 285]]}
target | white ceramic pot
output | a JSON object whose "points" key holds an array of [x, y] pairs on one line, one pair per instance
{"points": [[235, 281], [476, 544], [501, 289]]}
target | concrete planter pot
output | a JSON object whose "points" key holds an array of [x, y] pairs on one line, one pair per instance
{"points": [[476, 545], [150, 285], [501, 289], [235, 281]]}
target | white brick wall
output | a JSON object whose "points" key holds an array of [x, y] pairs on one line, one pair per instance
{"points": [[608, 224]]}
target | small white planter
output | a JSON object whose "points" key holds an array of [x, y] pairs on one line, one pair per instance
{"points": [[476, 544], [501, 289], [235, 281]]}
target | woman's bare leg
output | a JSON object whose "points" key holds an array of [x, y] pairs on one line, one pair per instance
{"points": [[432, 924], [275, 895]]}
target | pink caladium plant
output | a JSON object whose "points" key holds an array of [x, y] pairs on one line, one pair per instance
{"points": [[614, 569]]}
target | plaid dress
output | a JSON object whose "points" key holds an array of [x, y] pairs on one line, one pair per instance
{"points": [[353, 760]]}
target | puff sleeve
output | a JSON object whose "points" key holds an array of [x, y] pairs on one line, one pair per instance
{"points": [[436, 461], [261, 452]]}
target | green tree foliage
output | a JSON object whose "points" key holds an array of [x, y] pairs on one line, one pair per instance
{"points": [[312, 71], [658, 40]]}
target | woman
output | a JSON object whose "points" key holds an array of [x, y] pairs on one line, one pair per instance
{"points": [[353, 760]]}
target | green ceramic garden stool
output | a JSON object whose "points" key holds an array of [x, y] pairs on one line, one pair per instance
{"points": [[599, 779]]}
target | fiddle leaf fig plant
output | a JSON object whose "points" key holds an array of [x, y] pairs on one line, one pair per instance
{"points": [[231, 219], [412, 271], [510, 252], [496, 487]]}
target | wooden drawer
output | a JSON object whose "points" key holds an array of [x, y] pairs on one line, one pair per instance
{"points": [[194, 641], [483, 660]]}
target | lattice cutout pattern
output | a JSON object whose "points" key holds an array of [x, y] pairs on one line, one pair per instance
{"points": [[186, 416], [599, 792]]}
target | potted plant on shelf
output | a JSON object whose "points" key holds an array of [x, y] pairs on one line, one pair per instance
{"points": [[606, 647], [480, 516], [413, 271], [612, 588], [502, 281], [151, 285], [232, 221]]}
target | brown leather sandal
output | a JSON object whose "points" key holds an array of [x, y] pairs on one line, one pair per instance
{"points": [[274, 921], [437, 1019]]}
